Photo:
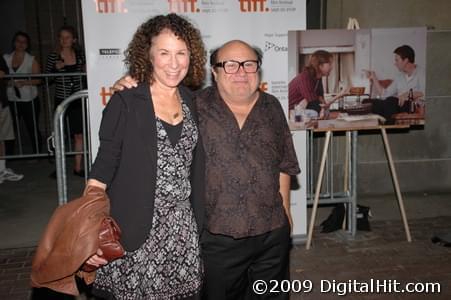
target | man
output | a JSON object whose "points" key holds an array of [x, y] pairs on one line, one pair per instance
{"points": [[249, 159], [410, 76], [6, 127]]}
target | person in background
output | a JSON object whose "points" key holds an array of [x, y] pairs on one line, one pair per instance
{"points": [[22, 92], [6, 127], [410, 77], [306, 88], [151, 163], [68, 58]]}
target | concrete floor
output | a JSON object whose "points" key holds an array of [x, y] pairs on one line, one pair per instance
{"points": [[26, 206], [383, 253]]}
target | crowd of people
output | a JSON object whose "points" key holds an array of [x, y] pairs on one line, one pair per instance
{"points": [[20, 97]]}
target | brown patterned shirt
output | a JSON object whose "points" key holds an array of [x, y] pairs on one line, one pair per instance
{"points": [[243, 166]]}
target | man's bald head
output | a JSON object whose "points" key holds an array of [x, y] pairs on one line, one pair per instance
{"points": [[231, 44], [235, 67]]}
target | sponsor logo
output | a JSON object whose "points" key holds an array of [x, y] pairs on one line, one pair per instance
{"points": [[274, 47], [183, 6], [109, 51], [110, 6], [253, 6], [105, 94]]}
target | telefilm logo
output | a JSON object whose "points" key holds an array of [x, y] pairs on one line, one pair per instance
{"points": [[110, 6], [183, 6], [253, 6], [109, 51], [274, 47]]}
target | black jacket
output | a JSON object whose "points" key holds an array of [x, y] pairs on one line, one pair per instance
{"points": [[127, 163]]}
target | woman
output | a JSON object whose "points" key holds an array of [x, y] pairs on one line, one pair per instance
{"points": [[6, 127], [69, 59], [23, 92], [307, 87], [150, 162]]}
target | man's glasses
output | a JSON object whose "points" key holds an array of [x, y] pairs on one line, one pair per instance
{"points": [[232, 66]]}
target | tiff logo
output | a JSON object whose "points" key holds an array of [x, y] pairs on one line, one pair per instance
{"points": [[110, 6], [105, 94], [182, 6], [253, 5]]}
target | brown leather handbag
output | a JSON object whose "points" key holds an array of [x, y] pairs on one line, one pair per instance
{"points": [[109, 237]]}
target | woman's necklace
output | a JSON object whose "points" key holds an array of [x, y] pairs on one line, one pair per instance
{"points": [[177, 114]]}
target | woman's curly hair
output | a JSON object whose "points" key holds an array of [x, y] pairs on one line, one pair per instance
{"points": [[137, 57]]}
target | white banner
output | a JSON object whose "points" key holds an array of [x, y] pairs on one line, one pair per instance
{"points": [[110, 24]]}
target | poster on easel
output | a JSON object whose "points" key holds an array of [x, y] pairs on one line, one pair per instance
{"points": [[372, 76]]}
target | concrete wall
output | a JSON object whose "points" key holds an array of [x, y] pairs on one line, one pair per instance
{"points": [[389, 13], [422, 156]]}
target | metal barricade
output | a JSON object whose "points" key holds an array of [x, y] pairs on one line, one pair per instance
{"points": [[37, 135], [59, 142]]}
